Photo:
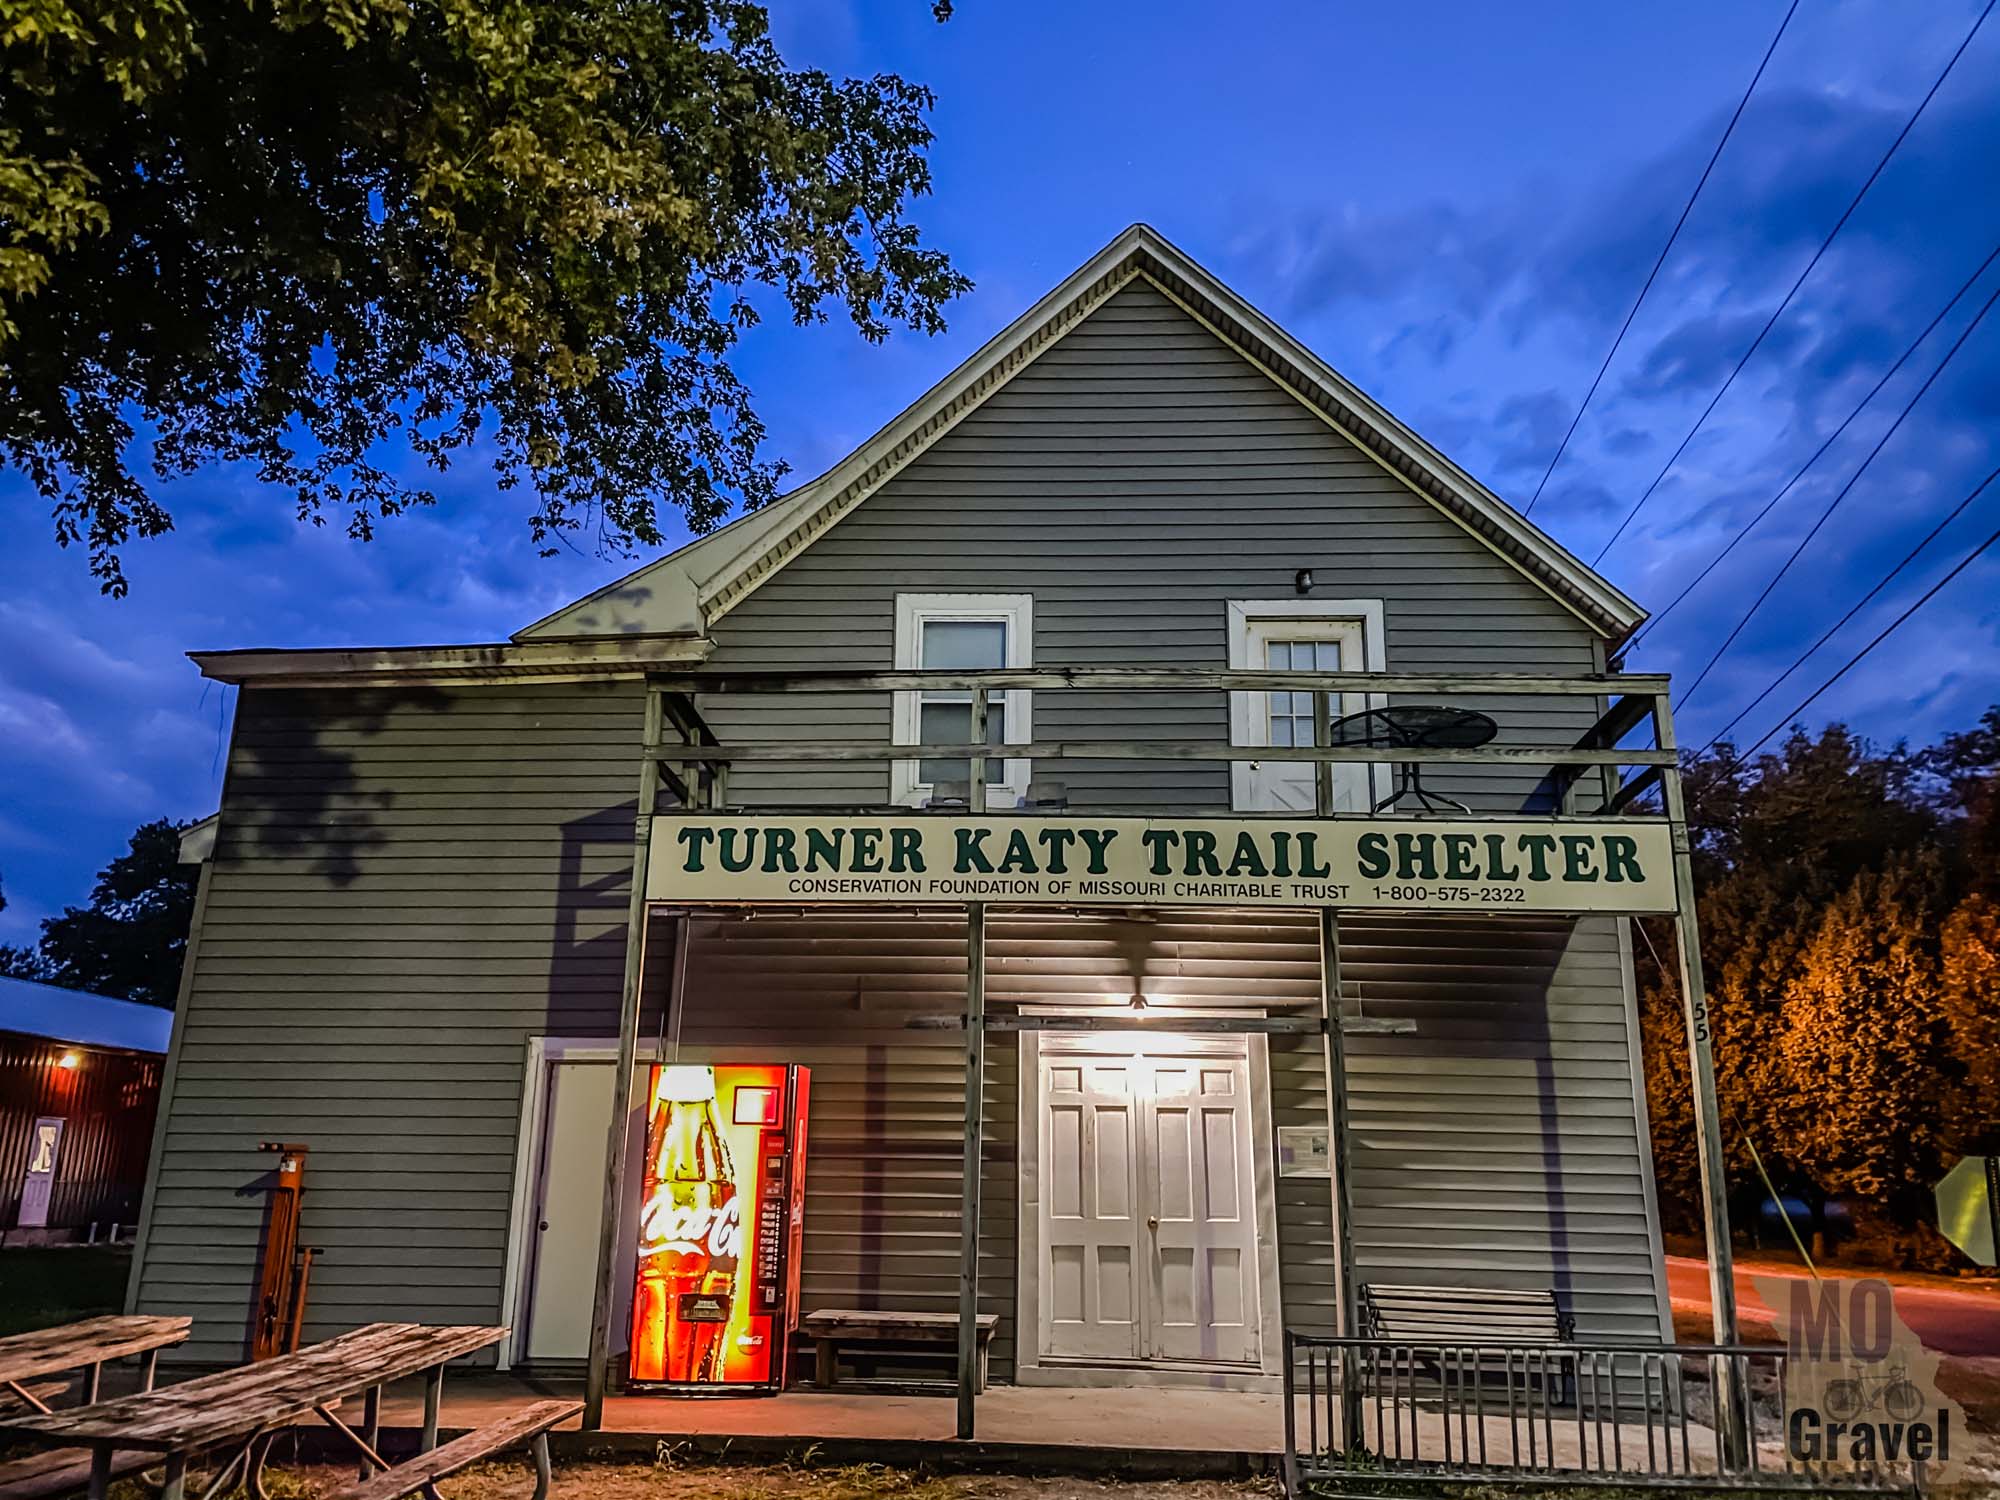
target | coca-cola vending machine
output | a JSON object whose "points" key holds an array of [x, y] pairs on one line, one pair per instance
{"points": [[721, 1207]]}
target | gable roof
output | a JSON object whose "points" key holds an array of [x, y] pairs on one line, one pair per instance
{"points": [[79, 1016], [690, 589]]}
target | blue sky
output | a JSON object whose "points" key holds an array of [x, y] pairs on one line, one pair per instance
{"points": [[1454, 204]]}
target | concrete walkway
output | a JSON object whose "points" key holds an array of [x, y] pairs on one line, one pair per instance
{"points": [[1158, 1420], [1184, 1432]]}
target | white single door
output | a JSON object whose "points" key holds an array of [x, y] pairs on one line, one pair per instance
{"points": [[43, 1148], [1090, 1288], [1201, 1220], [1286, 719], [569, 1199], [1148, 1210]]}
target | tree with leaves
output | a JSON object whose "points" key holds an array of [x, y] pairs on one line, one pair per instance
{"points": [[1852, 949], [310, 237], [131, 940]]}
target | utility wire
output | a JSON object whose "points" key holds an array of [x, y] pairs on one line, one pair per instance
{"points": [[1858, 605], [1855, 660], [1771, 322], [1686, 209], [1834, 504], [1800, 473]]}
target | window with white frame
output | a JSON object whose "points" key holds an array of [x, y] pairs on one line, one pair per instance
{"points": [[1298, 635], [966, 632]]}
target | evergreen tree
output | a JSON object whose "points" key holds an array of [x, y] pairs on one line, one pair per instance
{"points": [[131, 940]]}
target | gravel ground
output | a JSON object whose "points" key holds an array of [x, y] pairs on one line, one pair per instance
{"points": [[672, 1480]]}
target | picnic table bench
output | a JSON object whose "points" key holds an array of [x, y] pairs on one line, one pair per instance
{"points": [[87, 1346], [245, 1408], [833, 1329], [529, 1425]]}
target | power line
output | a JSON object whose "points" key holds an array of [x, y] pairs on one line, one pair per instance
{"points": [[1686, 209], [1834, 504], [1770, 322], [1855, 609], [1889, 629], [1800, 473]]}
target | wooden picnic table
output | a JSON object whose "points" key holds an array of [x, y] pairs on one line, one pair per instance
{"points": [[87, 1346], [248, 1405]]}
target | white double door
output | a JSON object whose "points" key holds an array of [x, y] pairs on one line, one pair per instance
{"points": [[1148, 1202]]}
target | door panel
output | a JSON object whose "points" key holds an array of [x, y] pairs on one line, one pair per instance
{"points": [[43, 1148], [1205, 1207], [1089, 1309], [1286, 719], [1148, 1206]]}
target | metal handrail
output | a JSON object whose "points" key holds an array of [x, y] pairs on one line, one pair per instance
{"points": [[1606, 1413]]}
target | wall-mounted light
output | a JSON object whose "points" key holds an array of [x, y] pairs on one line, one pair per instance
{"points": [[70, 1061], [1303, 580]]}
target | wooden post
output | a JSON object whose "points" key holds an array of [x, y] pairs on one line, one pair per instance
{"points": [[371, 1426], [1323, 740], [1730, 1434], [605, 1300], [1333, 1053], [975, 767], [975, 1113], [975, 1101], [433, 1400]]}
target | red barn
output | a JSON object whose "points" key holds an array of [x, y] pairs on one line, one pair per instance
{"points": [[79, 1090]]}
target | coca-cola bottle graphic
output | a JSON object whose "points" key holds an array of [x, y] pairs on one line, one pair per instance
{"points": [[690, 1234]]}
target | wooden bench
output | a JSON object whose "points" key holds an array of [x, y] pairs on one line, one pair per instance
{"points": [[61, 1471], [927, 1334], [529, 1425]]}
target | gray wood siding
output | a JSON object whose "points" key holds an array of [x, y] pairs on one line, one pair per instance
{"points": [[406, 886], [1497, 1145], [1133, 479], [409, 884], [835, 992]]}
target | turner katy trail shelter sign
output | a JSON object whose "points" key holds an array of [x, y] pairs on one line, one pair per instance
{"points": [[1621, 866]]}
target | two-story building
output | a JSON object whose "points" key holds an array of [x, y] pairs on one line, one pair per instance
{"points": [[1099, 964]]}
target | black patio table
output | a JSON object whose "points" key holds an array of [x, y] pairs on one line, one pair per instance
{"points": [[1414, 726]]}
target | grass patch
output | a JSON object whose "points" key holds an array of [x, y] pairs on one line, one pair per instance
{"points": [[44, 1285]]}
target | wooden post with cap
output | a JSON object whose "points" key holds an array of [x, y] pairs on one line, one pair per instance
{"points": [[975, 1103], [1731, 1429], [1333, 1052], [598, 1376]]}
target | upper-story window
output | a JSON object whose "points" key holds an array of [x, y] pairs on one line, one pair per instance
{"points": [[968, 632], [1297, 635]]}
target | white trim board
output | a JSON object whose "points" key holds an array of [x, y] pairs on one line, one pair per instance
{"points": [[912, 612], [1365, 614]]}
